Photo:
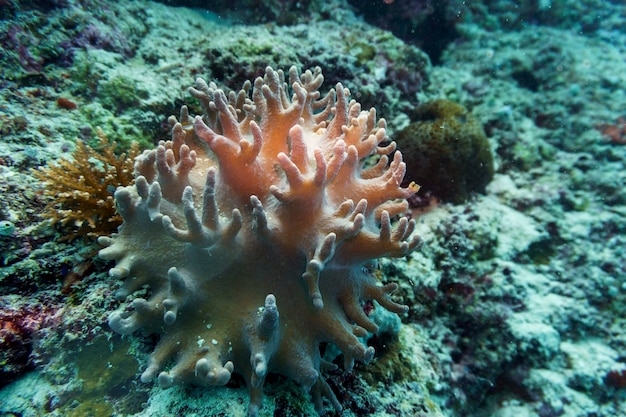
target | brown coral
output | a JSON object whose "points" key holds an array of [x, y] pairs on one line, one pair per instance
{"points": [[80, 190], [615, 133], [448, 151]]}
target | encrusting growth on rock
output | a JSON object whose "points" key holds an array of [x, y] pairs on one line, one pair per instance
{"points": [[448, 150], [80, 189], [256, 228]]}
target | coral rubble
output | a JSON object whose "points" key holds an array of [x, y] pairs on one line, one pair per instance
{"points": [[279, 257]]}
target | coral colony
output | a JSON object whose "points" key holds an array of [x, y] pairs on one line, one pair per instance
{"points": [[256, 229], [79, 189]]}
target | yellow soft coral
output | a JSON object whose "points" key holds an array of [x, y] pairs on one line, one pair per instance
{"points": [[80, 189]]}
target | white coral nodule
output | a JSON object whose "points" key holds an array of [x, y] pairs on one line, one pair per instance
{"points": [[253, 228]]}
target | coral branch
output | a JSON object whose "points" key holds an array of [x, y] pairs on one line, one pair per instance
{"points": [[80, 190]]}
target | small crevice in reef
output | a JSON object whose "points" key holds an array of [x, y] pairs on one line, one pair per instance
{"points": [[430, 25]]}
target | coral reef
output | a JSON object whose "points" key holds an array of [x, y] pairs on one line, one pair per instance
{"points": [[448, 150], [290, 227], [80, 190], [515, 302], [84, 55], [282, 12], [19, 324]]}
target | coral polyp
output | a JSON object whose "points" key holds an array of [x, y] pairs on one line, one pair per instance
{"points": [[256, 229]]}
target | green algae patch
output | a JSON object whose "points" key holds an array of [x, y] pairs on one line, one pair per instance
{"points": [[120, 93], [392, 365], [103, 367]]}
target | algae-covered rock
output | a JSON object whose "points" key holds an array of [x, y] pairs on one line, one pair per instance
{"points": [[447, 151]]}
